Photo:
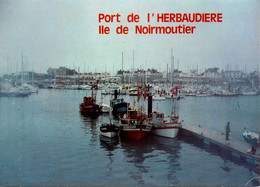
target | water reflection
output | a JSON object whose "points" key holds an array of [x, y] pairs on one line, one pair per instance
{"points": [[109, 144], [145, 155], [172, 148], [136, 152], [90, 125], [217, 151]]}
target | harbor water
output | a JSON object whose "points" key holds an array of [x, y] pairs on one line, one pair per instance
{"points": [[46, 141]]}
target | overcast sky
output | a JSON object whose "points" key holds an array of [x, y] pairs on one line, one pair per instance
{"points": [[54, 33]]}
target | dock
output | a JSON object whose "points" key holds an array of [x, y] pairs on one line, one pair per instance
{"points": [[237, 148]]}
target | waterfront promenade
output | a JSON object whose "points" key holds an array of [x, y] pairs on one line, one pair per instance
{"points": [[237, 148]]}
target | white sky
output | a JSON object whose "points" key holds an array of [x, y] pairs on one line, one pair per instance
{"points": [[54, 33]]}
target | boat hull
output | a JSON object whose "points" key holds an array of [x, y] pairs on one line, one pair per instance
{"points": [[251, 137], [108, 130], [159, 98], [165, 131], [136, 132], [91, 109], [120, 108]]}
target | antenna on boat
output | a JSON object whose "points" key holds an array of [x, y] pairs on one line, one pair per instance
{"points": [[122, 61], [133, 60]]}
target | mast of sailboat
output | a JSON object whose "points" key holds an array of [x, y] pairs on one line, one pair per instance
{"points": [[122, 61], [123, 78], [171, 68], [133, 61], [172, 60], [32, 76], [167, 74], [22, 66], [173, 102], [7, 65]]}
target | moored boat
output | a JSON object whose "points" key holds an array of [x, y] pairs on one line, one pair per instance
{"points": [[249, 93], [109, 130], [135, 126], [158, 98], [164, 126], [204, 94], [224, 93], [104, 108], [251, 137], [119, 105], [89, 105]]}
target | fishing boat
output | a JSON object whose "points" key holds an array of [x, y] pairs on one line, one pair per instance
{"points": [[119, 105], [134, 125], [164, 126], [251, 137], [109, 130], [89, 106]]}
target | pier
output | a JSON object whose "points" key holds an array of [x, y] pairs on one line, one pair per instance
{"points": [[238, 149]]}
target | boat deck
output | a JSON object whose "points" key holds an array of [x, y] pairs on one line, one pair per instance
{"points": [[237, 148]]}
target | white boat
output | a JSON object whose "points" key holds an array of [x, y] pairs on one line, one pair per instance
{"points": [[225, 93], [166, 127], [105, 92], [249, 93], [158, 98], [85, 87], [109, 130], [190, 94], [251, 137], [104, 108], [204, 95]]}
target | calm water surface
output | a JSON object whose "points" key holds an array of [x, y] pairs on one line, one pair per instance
{"points": [[46, 141]]}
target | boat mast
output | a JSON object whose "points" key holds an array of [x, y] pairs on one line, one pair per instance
{"points": [[122, 61], [22, 66]]}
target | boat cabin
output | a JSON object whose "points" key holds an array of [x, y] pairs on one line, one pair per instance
{"points": [[117, 101], [88, 100], [159, 114]]}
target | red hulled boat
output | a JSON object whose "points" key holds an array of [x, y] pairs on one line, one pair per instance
{"points": [[89, 105], [135, 126]]}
